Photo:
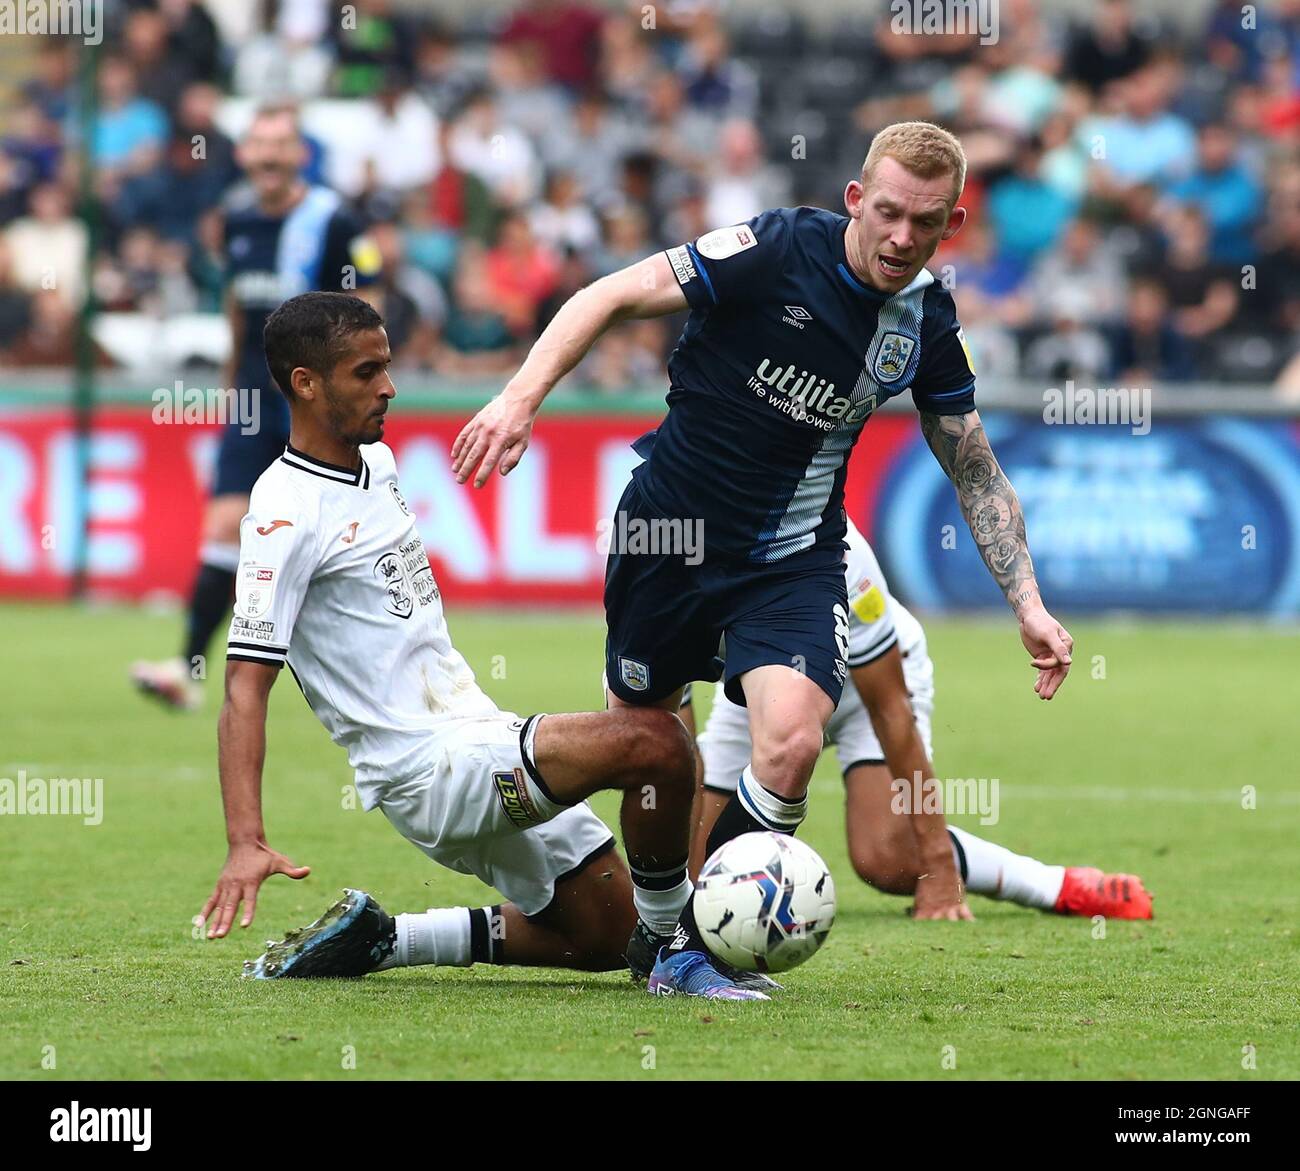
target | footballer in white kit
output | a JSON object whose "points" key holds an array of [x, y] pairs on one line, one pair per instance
{"points": [[884, 841], [333, 570], [334, 582]]}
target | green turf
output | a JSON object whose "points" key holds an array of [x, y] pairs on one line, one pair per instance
{"points": [[1142, 769]]}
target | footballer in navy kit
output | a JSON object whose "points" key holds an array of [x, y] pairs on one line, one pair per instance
{"points": [[282, 236], [803, 322]]}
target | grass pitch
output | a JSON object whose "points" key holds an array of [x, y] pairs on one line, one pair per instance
{"points": [[1139, 765]]}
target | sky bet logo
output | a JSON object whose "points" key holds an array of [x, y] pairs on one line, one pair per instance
{"points": [[806, 397]]}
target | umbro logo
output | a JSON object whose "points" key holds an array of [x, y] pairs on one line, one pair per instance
{"points": [[796, 315]]}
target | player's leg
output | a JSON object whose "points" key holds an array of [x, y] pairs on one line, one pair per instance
{"points": [[725, 749], [883, 849], [241, 458], [786, 645], [585, 925], [647, 754]]}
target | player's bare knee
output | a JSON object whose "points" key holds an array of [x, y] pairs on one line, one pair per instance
{"points": [[661, 750], [785, 760]]}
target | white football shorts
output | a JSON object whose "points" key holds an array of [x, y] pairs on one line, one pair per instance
{"points": [[485, 811]]}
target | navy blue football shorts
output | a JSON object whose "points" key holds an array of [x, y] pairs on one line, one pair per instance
{"points": [[242, 458], [670, 622]]}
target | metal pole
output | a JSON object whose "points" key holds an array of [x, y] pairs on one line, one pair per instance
{"points": [[83, 390]]}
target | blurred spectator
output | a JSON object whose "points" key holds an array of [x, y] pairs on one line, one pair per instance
{"points": [[50, 87], [1146, 347], [283, 61], [398, 143], [627, 240], [376, 39], [566, 33], [1238, 47], [50, 337], [590, 144], [192, 37], [525, 97], [34, 143], [129, 130], [459, 202], [678, 135], [738, 183], [1144, 142], [412, 303], [714, 81], [1225, 192], [15, 303], [628, 60], [1274, 302], [1082, 278], [521, 274], [562, 220], [441, 74], [1072, 349], [475, 342], [499, 155], [198, 165], [1028, 213], [48, 246], [160, 75], [1107, 49], [1204, 295]]}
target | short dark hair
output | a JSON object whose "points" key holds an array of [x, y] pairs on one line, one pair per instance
{"points": [[312, 330]]}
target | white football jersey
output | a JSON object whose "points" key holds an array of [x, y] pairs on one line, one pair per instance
{"points": [[333, 579], [877, 620]]}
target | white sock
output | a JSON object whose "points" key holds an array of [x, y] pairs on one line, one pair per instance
{"points": [[661, 909], [995, 871], [441, 935], [776, 813]]}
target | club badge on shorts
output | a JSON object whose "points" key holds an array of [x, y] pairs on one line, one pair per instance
{"points": [[634, 675]]}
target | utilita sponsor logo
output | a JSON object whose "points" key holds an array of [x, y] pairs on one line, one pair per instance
{"points": [[805, 396]]}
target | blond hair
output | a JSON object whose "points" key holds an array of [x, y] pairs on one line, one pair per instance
{"points": [[925, 149]]}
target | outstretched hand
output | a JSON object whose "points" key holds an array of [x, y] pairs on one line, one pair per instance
{"points": [[246, 868], [1049, 645], [496, 437]]}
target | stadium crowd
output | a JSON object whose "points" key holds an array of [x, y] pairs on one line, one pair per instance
{"points": [[1134, 188]]}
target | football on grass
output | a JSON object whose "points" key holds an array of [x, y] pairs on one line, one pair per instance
{"points": [[764, 902]]}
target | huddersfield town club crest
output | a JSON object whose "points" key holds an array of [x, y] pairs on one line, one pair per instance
{"points": [[892, 355], [635, 675]]}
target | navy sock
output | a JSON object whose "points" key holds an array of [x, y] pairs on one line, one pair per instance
{"points": [[209, 604]]}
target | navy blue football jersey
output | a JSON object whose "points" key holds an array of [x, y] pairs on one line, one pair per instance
{"points": [[318, 247], [785, 356]]}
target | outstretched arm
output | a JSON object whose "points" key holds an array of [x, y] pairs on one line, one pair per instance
{"points": [[498, 434], [241, 750], [883, 689], [993, 513]]}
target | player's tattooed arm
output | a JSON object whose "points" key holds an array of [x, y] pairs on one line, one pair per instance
{"points": [[992, 510], [988, 502]]}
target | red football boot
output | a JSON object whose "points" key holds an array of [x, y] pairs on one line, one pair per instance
{"points": [[1087, 891]]}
